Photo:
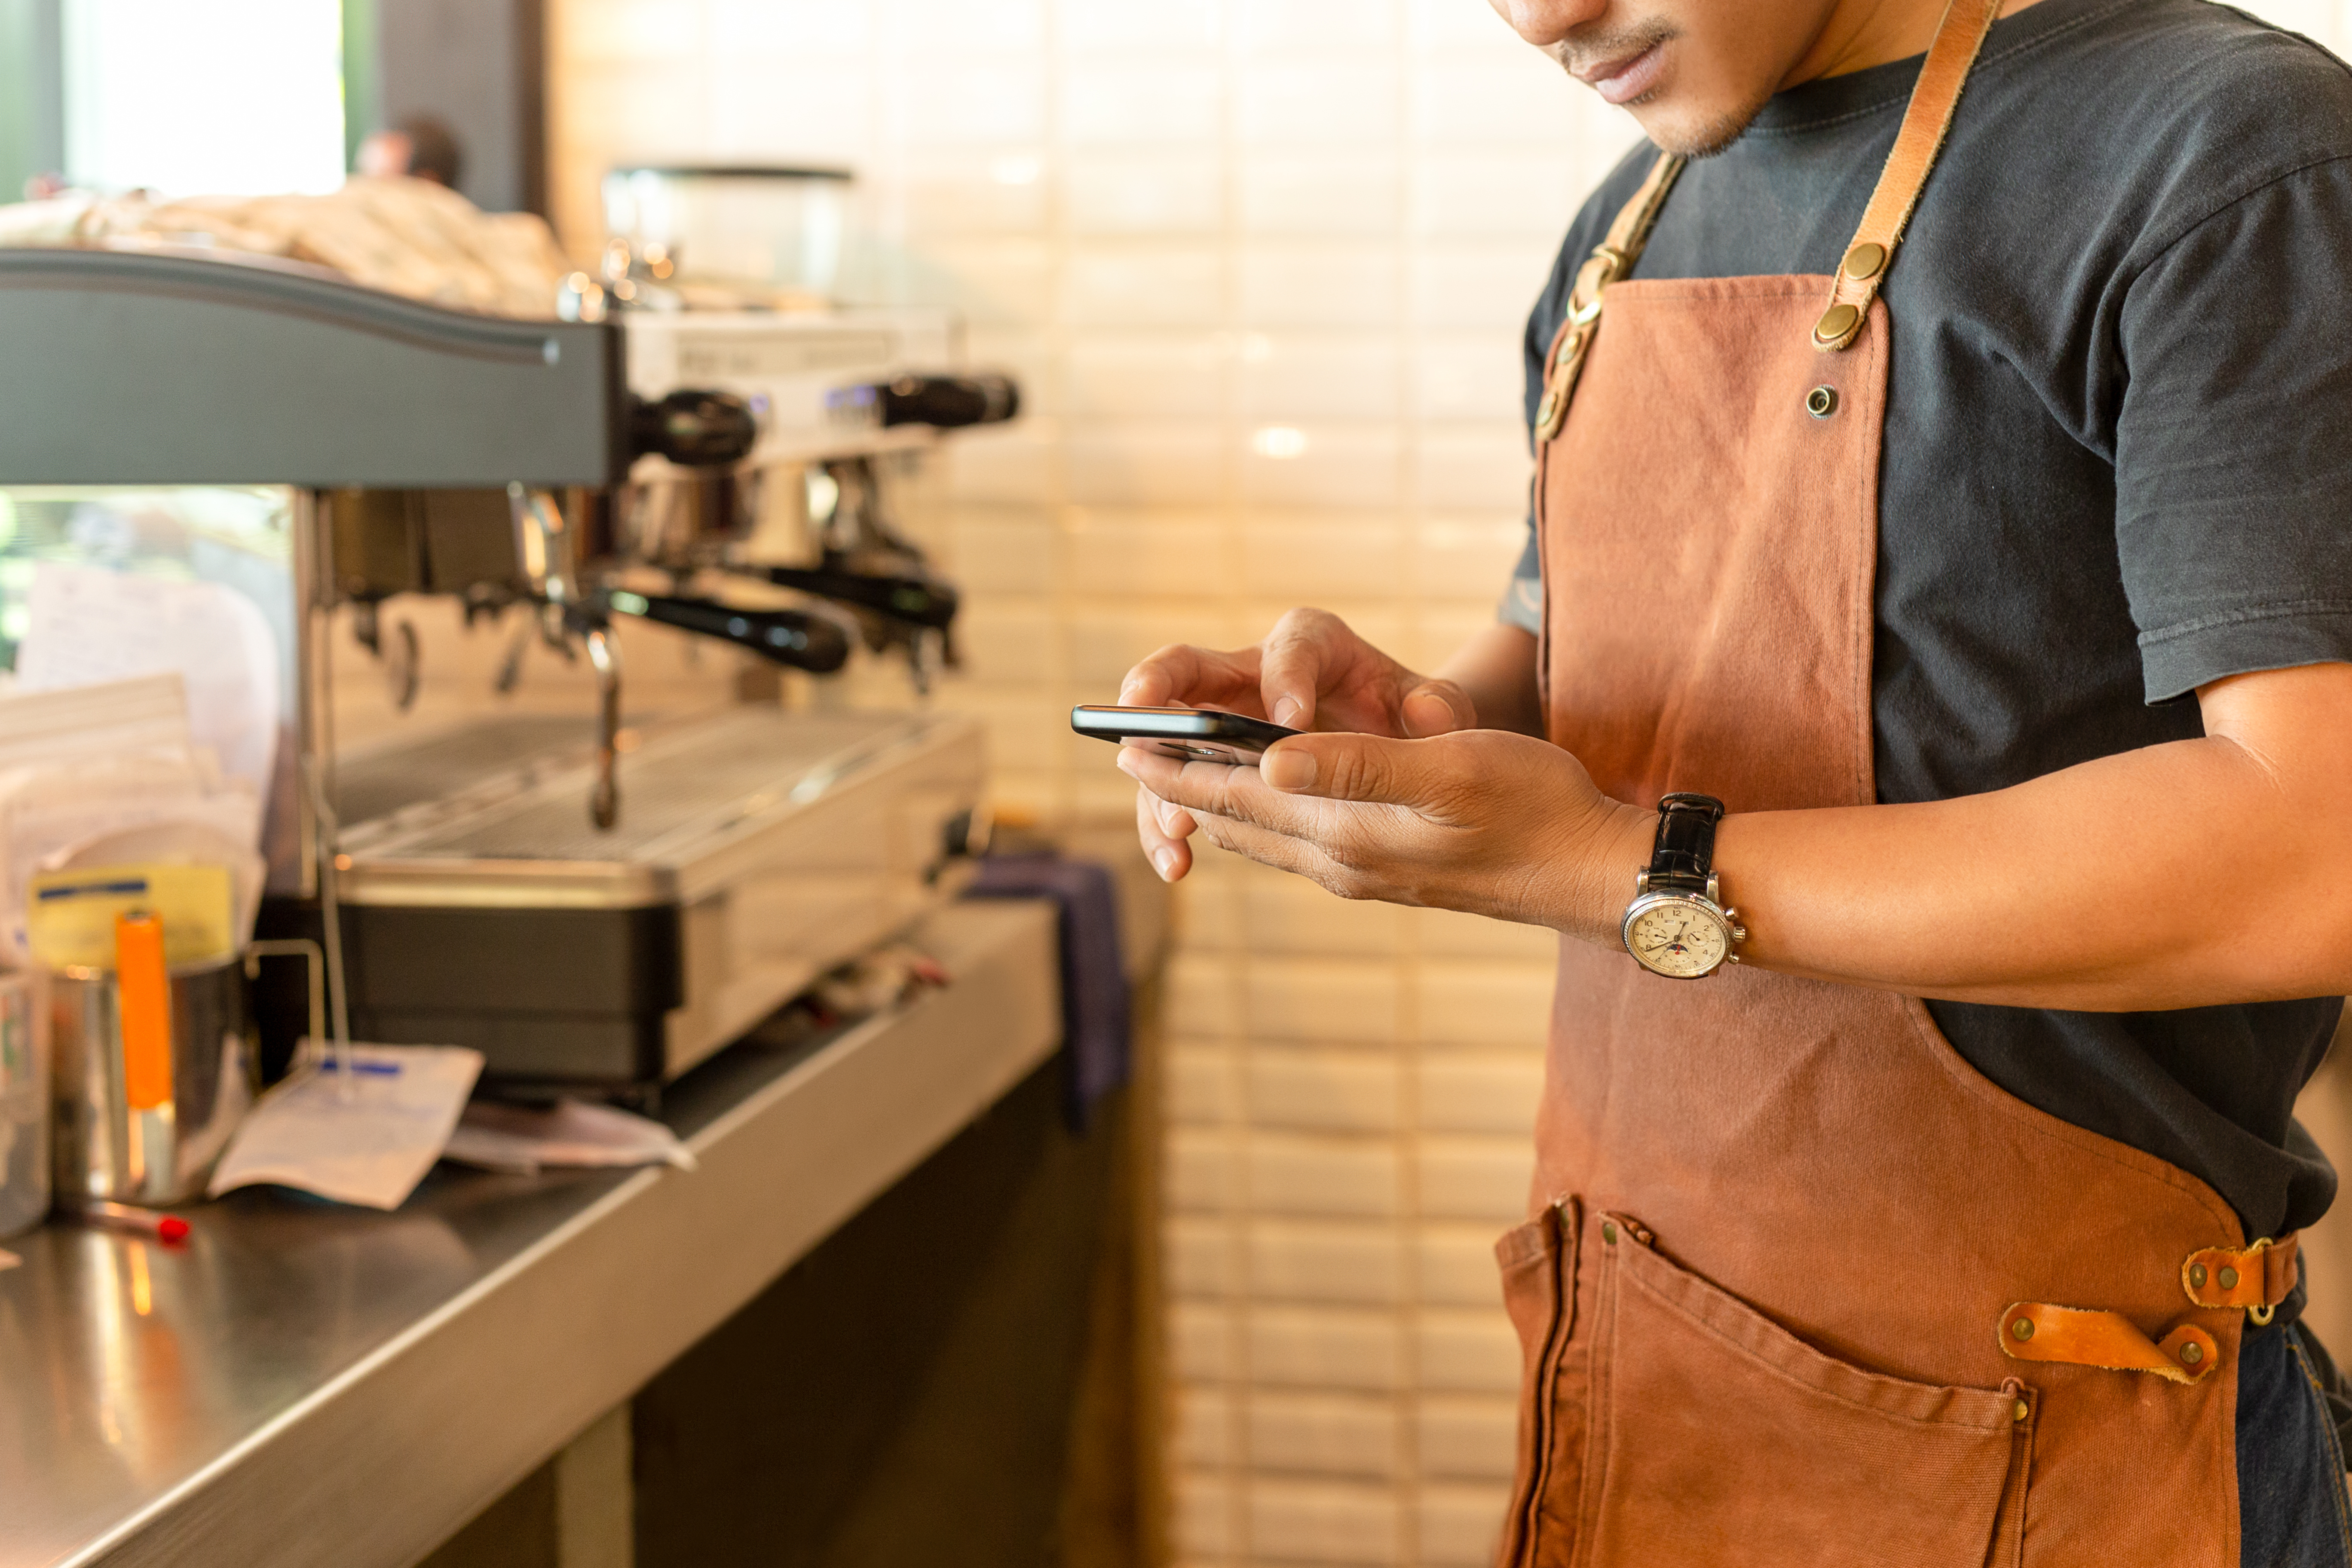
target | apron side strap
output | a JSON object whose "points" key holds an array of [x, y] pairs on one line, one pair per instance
{"points": [[2076, 1336], [1958, 38], [1611, 260], [2256, 1278]]}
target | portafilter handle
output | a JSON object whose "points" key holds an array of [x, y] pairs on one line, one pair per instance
{"points": [[693, 429], [792, 637]]}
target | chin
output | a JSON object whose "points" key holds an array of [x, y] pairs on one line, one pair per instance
{"points": [[1692, 131]]}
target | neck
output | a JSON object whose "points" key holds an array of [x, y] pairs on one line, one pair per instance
{"points": [[1860, 34]]}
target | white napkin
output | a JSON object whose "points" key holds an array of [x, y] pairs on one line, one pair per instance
{"points": [[520, 1140], [367, 1138]]}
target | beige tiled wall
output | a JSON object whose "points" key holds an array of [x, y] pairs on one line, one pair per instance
{"points": [[1262, 266]]}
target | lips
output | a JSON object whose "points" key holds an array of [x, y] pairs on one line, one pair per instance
{"points": [[1627, 77]]}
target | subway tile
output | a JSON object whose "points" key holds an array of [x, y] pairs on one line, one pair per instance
{"points": [[1449, 23], [1318, 375], [965, 27], [1283, 557], [992, 554], [970, 101], [1143, 376], [1010, 465], [1454, 1265], [741, 27], [1467, 195], [1327, 1000], [810, 110], [1114, 551], [1328, 195], [1106, 642], [1202, 1418], [1323, 1092], [952, 196], [1459, 1526], [1324, 1348], [993, 282], [1468, 1003], [1487, 287], [1200, 993], [1205, 1506], [1469, 557], [1483, 1179], [1316, 26], [1447, 933], [634, 31], [1468, 1352], [1322, 1175], [1460, 466], [1327, 103], [1204, 1086], [1466, 1437], [1156, 25], [1291, 914], [1324, 1522], [1145, 194], [1139, 286], [1469, 375], [1338, 1262], [1324, 465], [646, 113], [1481, 1093], [1310, 285], [1527, 104], [1000, 644], [1107, 102], [1325, 1434], [1161, 463], [1198, 1171], [1200, 1342], [1198, 1255]]}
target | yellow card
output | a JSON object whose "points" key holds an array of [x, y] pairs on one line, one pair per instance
{"points": [[71, 920]]}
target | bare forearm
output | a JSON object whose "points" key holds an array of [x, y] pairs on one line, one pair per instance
{"points": [[1498, 668], [2206, 871]]}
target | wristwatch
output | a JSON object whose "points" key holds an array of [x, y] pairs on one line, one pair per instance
{"points": [[1676, 926]]}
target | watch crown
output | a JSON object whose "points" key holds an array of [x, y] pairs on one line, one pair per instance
{"points": [[1739, 933]]}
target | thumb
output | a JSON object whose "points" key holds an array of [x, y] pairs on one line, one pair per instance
{"points": [[1348, 767], [1437, 707]]}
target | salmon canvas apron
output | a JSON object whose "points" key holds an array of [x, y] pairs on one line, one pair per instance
{"points": [[1802, 1289]]}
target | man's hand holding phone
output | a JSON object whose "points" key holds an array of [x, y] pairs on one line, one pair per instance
{"points": [[1312, 672]]}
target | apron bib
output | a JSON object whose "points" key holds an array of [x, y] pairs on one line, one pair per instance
{"points": [[1803, 1289]]}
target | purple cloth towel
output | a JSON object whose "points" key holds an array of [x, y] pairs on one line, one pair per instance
{"points": [[1095, 1039]]}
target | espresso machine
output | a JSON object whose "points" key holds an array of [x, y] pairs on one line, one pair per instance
{"points": [[594, 901]]}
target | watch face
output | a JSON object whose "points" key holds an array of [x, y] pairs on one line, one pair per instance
{"points": [[1677, 937]]}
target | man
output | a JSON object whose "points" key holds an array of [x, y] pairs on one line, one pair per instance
{"points": [[1944, 434], [421, 147]]}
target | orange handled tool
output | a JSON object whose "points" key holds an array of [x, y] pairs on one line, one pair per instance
{"points": [[142, 989]]}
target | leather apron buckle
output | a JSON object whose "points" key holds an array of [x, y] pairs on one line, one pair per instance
{"points": [[2081, 1336], [2255, 1279]]}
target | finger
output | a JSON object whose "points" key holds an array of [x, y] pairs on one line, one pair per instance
{"points": [[1299, 856], [1174, 820], [1181, 674], [1217, 790], [1437, 707], [1291, 669], [1168, 856], [1359, 767]]}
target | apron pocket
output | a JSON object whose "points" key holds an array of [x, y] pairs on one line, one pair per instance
{"points": [[1724, 1439], [1539, 1268]]}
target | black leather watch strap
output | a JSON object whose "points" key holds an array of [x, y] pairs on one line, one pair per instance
{"points": [[1685, 856]]}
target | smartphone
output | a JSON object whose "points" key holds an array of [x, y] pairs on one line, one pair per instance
{"points": [[1193, 734]]}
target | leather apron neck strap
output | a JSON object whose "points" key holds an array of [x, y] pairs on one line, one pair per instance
{"points": [[1959, 38]]}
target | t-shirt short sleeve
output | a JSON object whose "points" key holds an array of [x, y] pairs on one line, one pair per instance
{"points": [[2233, 437]]}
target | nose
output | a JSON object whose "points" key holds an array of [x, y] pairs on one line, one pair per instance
{"points": [[1546, 22]]}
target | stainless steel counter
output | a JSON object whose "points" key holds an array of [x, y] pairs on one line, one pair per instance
{"points": [[306, 1383]]}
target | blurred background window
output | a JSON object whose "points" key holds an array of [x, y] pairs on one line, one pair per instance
{"points": [[202, 96]]}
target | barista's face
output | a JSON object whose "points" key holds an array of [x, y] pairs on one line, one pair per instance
{"points": [[1693, 72]]}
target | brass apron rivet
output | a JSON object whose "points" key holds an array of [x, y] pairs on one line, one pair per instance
{"points": [[1821, 402], [2229, 1279], [2191, 1354], [1608, 1232], [1863, 262], [2023, 1327], [2196, 1276], [1547, 409], [1836, 322], [2021, 1412]]}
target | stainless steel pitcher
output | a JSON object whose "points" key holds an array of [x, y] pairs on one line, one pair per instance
{"points": [[23, 1103]]}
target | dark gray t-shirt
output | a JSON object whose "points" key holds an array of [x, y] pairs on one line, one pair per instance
{"points": [[2117, 463]]}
